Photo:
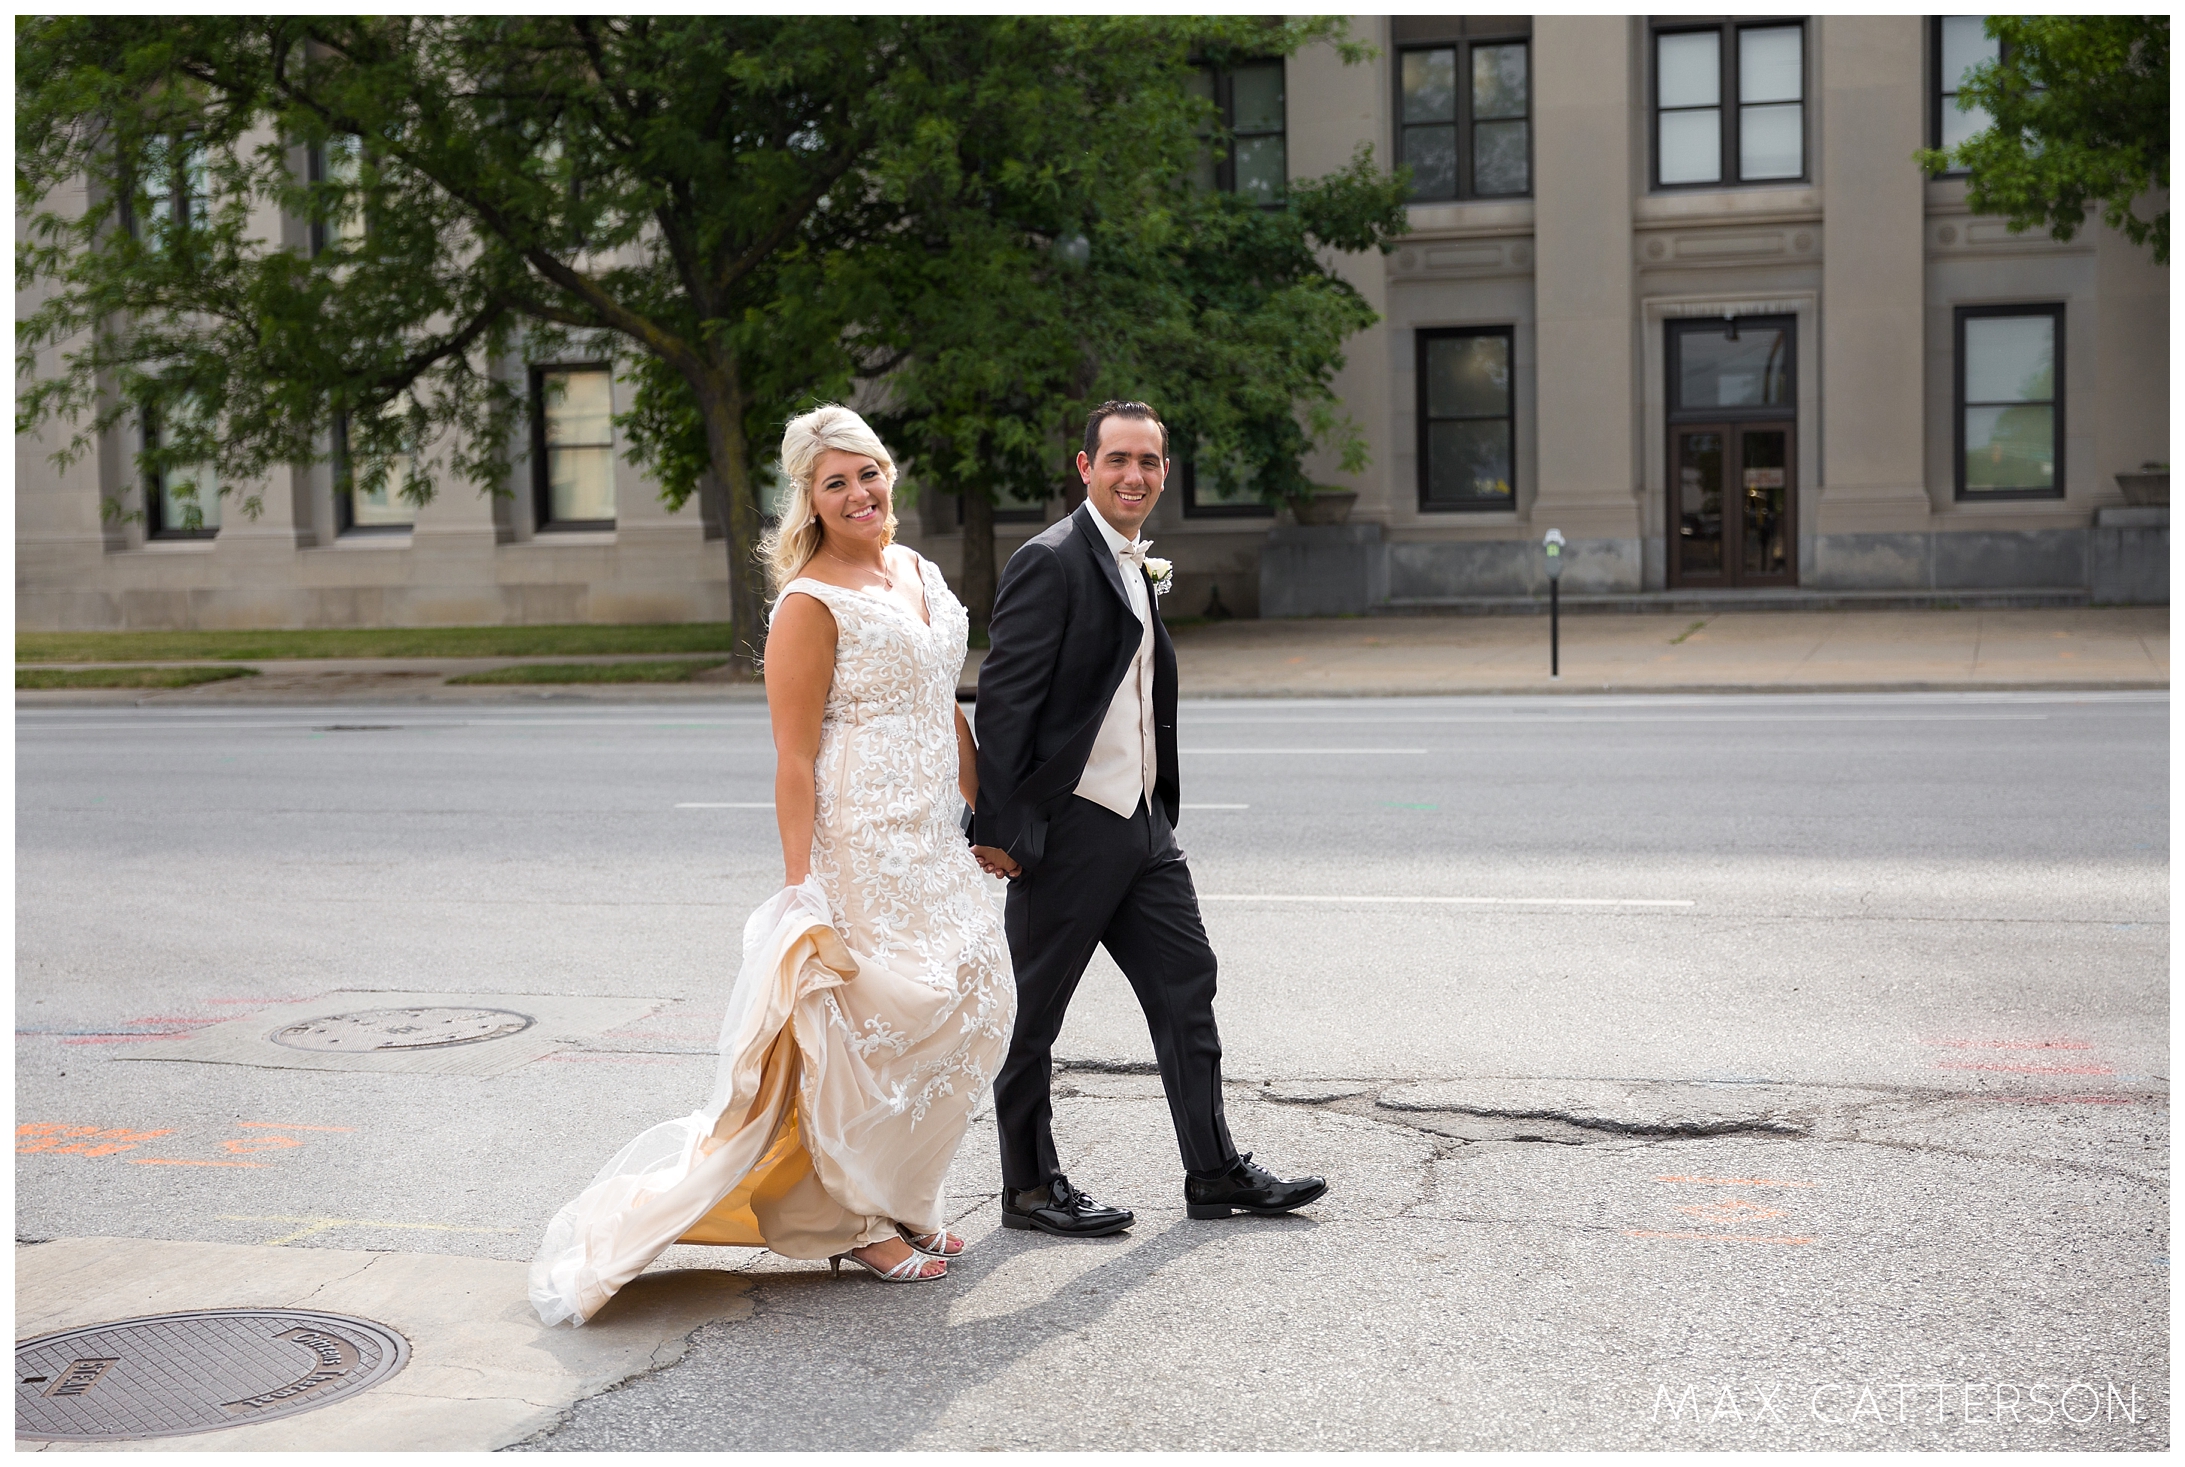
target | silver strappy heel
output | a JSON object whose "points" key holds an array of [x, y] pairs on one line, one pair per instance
{"points": [[933, 1245], [910, 1271]]}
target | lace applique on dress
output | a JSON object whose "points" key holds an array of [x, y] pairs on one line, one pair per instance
{"points": [[887, 849]]}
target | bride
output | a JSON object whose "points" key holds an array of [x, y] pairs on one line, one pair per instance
{"points": [[875, 999]]}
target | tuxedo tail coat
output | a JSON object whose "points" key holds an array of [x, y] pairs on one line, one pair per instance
{"points": [[1063, 636]]}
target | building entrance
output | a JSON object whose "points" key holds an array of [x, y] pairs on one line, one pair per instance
{"points": [[1732, 453]]}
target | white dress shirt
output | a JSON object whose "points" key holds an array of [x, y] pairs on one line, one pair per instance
{"points": [[1121, 768]]}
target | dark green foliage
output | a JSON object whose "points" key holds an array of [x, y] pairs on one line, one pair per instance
{"points": [[749, 214], [2081, 116]]}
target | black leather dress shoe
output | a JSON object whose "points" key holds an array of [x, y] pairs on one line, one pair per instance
{"points": [[1061, 1209], [1248, 1188]]}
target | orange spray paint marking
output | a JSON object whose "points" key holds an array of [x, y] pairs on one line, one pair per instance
{"points": [[1711, 1237], [1736, 1181], [46, 1136], [288, 1126], [259, 1143]]}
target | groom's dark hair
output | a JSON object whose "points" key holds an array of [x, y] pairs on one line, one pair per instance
{"points": [[1113, 409]]}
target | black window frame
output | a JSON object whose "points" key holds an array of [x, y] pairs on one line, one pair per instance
{"points": [[344, 480], [1464, 191], [1936, 107], [155, 499], [1185, 469], [1673, 334], [2054, 310], [1225, 106], [542, 501], [1728, 29], [315, 171], [1422, 338], [174, 205]]}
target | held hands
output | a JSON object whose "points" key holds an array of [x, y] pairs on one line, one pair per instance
{"points": [[996, 862]]}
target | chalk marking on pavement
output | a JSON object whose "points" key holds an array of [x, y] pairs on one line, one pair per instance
{"points": [[2026, 1069], [326, 1224], [726, 805], [170, 1161], [1301, 751], [1711, 1237], [1736, 1181], [1457, 901], [289, 1126]]}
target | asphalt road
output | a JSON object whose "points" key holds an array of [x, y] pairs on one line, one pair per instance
{"points": [[1768, 1071]]}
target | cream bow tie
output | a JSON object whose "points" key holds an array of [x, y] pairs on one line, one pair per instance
{"points": [[1134, 554]]}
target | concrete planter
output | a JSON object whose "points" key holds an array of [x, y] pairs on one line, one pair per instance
{"points": [[1329, 507], [2145, 488]]}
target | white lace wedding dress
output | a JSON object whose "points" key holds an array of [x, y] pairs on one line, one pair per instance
{"points": [[872, 1010]]}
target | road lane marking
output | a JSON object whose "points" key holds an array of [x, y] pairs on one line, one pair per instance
{"points": [[1301, 751], [726, 805], [1456, 901], [325, 1224]]}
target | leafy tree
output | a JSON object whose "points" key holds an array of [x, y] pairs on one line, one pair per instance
{"points": [[2080, 109], [1223, 313], [749, 214]]}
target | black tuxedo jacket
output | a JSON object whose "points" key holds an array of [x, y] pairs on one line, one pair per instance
{"points": [[1062, 637]]}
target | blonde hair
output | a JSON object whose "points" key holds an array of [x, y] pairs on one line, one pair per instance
{"points": [[786, 549]]}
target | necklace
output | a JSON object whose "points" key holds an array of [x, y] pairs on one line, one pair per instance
{"points": [[840, 559]]}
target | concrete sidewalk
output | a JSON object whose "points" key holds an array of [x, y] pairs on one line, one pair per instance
{"points": [[2061, 648]]}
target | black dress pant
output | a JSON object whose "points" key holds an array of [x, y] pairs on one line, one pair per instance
{"points": [[1121, 884]]}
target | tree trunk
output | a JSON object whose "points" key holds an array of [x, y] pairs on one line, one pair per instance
{"points": [[978, 561], [721, 403]]}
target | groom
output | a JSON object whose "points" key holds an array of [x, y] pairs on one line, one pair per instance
{"points": [[1077, 807]]}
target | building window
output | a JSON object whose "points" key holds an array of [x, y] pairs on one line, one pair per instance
{"points": [[573, 446], [1218, 490], [1961, 42], [1467, 419], [181, 502], [2010, 402], [1466, 119], [1251, 108], [174, 190], [335, 162], [368, 509], [1729, 105]]}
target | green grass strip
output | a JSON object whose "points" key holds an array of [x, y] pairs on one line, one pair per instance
{"points": [[587, 672], [126, 677], [547, 641]]}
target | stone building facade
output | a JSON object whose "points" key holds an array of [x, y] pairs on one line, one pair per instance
{"points": [[1673, 286]]}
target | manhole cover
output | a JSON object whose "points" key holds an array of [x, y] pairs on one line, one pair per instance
{"points": [[207, 1370], [370, 1030]]}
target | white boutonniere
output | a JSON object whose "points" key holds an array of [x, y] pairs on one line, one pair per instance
{"points": [[1162, 573]]}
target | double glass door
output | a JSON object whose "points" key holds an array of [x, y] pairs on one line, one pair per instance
{"points": [[1732, 451], [1731, 504]]}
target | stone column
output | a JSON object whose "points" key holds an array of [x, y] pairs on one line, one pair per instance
{"points": [[1588, 429], [1873, 510]]}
